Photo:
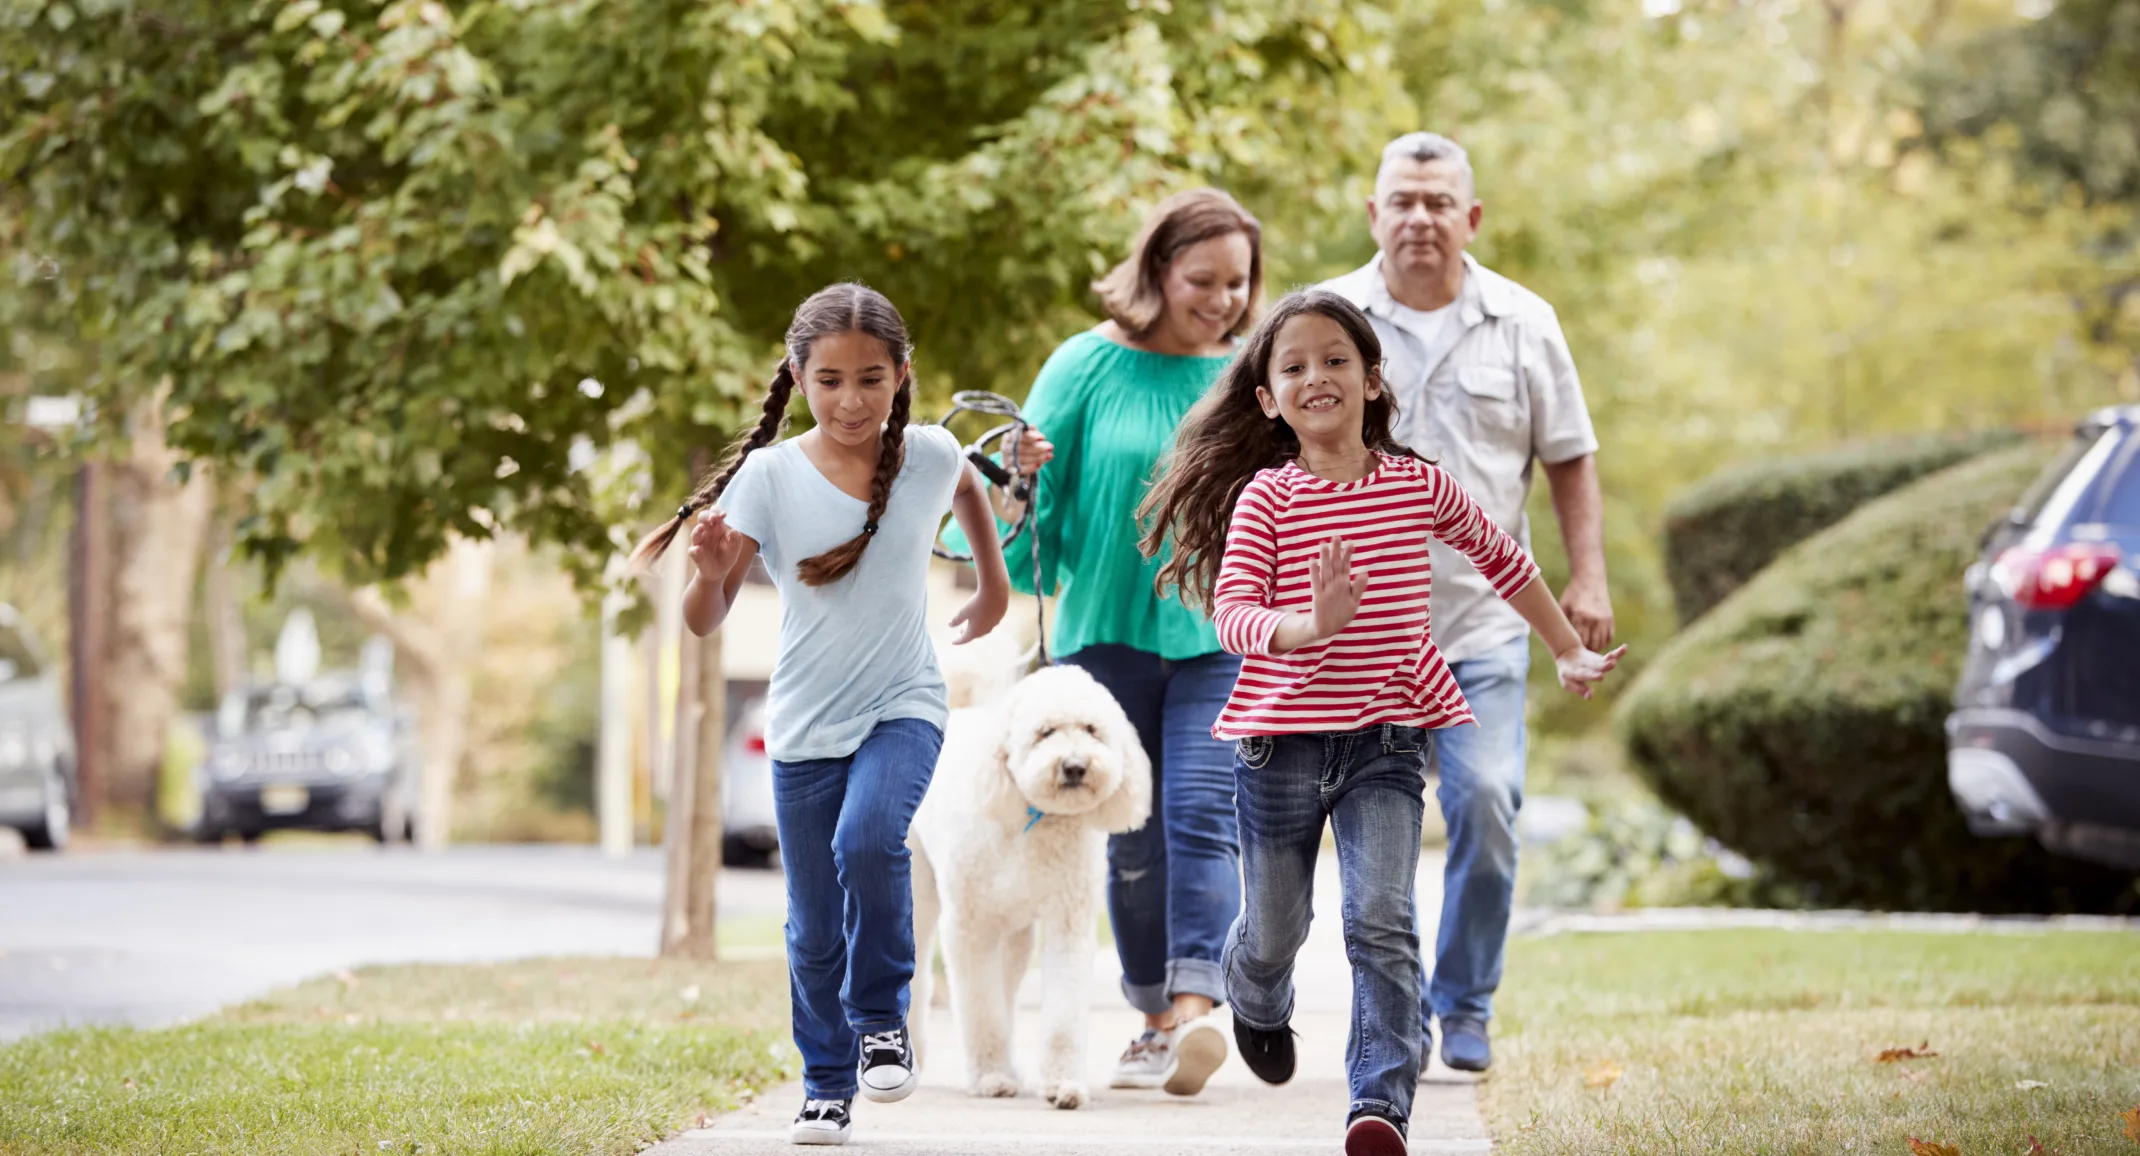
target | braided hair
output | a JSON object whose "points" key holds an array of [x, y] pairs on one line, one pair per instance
{"points": [[842, 308]]}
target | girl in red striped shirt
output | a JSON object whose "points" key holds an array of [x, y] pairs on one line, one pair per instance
{"points": [[1295, 517]]}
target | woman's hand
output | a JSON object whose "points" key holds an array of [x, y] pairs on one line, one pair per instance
{"points": [[981, 613], [715, 545], [1579, 666], [1034, 451]]}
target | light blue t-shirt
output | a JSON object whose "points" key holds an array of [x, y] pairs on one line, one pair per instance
{"points": [[855, 652]]}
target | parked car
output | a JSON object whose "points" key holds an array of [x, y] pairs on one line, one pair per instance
{"points": [[37, 777], [2045, 736], [749, 833], [334, 753]]}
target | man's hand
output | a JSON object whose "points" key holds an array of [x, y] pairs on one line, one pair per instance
{"points": [[1589, 610]]}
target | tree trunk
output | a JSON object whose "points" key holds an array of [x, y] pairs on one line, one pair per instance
{"points": [[700, 908], [157, 524], [683, 800], [435, 646], [613, 759], [226, 618]]}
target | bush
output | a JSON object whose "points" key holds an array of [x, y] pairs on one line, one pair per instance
{"points": [[1726, 529], [1800, 722]]}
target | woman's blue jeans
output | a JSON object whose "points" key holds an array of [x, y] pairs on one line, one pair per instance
{"points": [[843, 844], [1174, 884]]}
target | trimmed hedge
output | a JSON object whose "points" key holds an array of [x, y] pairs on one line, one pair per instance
{"points": [[1801, 721], [1724, 530]]}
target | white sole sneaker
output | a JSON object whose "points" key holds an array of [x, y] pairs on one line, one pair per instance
{"points": [[818, 1134], [894, 1093], [1198, 1052]]}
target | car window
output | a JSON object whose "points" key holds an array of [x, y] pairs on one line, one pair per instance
{"points": [[2120, 494], [17, 659], [2053, 502]]}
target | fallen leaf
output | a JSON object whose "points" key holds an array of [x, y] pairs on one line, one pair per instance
{"points": [[2036, 1148], [702, 1119], [596, 1047], [2132, 1124], [1922, 1051], [128, 1083], [2031, 1085], [1602, 1076], [511, 984], [1928, 1148], [346, 978]]}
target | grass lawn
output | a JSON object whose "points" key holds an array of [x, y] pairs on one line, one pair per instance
{"points": [[1770, 1042], [577, 1056]]}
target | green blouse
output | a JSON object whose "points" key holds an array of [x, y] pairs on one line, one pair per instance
{"points": [[1111, 412]]}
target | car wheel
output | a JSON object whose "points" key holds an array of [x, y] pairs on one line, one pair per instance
{"points": [[207, 836], [251, 838], [737, 853], [51, 831]]}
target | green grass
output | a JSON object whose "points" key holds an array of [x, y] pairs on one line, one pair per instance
{"points": [[579, 1056], [1768, 1042]]}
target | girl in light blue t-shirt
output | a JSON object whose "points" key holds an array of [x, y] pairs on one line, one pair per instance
{"points": [[844, 516]]}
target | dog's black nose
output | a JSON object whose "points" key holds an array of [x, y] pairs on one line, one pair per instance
{"points": [[1073, 772]]}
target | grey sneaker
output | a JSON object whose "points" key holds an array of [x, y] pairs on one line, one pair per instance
{"points": [[1199, 1050], [1465, 1046], [1147, 1063]]}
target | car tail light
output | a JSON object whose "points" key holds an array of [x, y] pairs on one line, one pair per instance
{"points": [[754, 744], [2056, 578]]}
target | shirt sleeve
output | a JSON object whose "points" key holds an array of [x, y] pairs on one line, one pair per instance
{"points": [[1462, 524], [748, 503], [1248, 575], [1560, 420]]}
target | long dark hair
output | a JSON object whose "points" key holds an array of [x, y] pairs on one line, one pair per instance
{"points": [[1226, 438], [1134, 292], [842, 308]]}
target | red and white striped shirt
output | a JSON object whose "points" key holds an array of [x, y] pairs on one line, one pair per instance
{"points": [[1382, 668]]}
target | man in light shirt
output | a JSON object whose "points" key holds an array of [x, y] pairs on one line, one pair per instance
{"points": [[1485, 386]]}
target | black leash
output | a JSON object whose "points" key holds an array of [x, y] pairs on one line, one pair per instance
{"points": [[1005, 476]]}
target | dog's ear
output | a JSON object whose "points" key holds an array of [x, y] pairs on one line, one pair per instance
{"points": [[997, 792], [1131, 804]]}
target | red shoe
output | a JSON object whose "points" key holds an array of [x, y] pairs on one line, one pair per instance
{"points": [[1372, 1135]]}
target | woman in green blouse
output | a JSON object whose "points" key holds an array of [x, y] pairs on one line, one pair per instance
{"points": [[1109, 400]]}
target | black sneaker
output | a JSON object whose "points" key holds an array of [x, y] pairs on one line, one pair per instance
{"points": [[1374, 1134], [822, 1122], [1268, 1054], [888, 1074]]}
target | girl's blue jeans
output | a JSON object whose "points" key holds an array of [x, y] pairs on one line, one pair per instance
{"points": [[843, 843], [1370, 785], [1174, 884]]}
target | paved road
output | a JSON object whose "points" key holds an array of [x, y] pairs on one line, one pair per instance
{"points": [[155, 937]]}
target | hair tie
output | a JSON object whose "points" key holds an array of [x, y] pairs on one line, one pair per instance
{"points": [[683, 512], [869, 527]]}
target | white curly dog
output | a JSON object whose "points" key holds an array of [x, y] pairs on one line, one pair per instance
{"points": [[1012, 840]]}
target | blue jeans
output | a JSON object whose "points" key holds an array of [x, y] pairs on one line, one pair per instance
{"points": [[1371, 784], [1174, 884], [1481, 769], [843, 843]]}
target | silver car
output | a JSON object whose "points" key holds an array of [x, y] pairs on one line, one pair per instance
{"points": [[329, 754], [37, 782], [749, 835]]}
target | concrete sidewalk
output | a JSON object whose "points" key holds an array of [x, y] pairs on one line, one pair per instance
{"points": [[1236, 1113]]}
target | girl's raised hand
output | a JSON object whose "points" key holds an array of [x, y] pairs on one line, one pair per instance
{"points": [[980, 614], [715, 545], [1336, 588], [1580, 666]]}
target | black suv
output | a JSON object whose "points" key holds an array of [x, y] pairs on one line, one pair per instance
{"points": [[36, 743], [2045, 736]]}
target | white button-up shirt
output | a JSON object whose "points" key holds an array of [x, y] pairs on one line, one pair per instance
{"points": [[1505, 395]]}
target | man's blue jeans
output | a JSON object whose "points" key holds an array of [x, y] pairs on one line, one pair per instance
{"points": [[1481, 768], [1371, 786], [1174, 884], [843, 843]]}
